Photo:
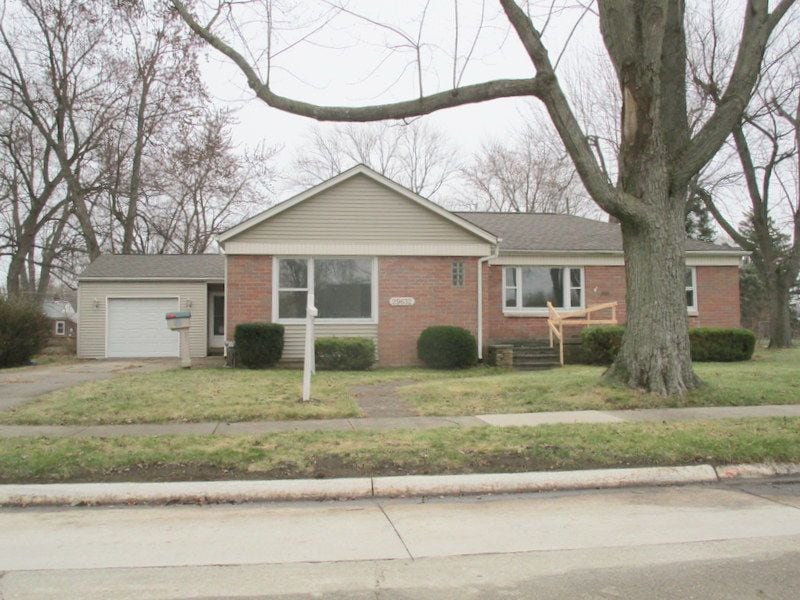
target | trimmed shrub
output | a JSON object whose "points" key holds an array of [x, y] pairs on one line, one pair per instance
{"points": [[24, 332], [715, 344], [446, 347], [258, 345], [344, 354], [601, 344], [708, 344]]}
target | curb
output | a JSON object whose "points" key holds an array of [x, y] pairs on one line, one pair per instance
{"points": [[219, 492]]}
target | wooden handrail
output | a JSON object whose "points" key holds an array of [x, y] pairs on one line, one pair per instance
{"points": [[556, 321]]}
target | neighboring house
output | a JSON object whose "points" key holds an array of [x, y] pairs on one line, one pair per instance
{"points": [[385, 264], [63, 318]]}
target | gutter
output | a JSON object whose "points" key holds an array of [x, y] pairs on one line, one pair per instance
{"points": [[495, 253]]}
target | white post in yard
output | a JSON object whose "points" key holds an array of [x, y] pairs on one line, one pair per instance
{"points": [[309, 362]]}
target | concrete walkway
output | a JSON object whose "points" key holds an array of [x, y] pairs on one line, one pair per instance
{"points": [[388, 423]]}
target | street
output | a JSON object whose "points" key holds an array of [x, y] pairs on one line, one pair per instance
{"points": [[718, 541]]}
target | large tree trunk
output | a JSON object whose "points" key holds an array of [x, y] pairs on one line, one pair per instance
{"points": [[780, 317], [655, 353]]}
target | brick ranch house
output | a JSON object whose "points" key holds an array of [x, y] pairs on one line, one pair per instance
{"points": [[385, 264]]}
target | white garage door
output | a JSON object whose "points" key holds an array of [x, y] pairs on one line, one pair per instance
{"points": [[137, 328]]}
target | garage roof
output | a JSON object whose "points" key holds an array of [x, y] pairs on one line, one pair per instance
{"points": [[204, 267]]}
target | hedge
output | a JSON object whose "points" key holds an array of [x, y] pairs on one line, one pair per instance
{"points": [[708, 344], [717, 344], [446, 347], [258, 345], [601, 344], [24, 331], [344, 354]]}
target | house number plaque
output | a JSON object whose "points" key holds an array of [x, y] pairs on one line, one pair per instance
{"points": [[402, 301]]}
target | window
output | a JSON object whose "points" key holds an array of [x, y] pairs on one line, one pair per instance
{"points": [[691, 289], [533, 287], [458, 273], [342, 287], [60, 327]]}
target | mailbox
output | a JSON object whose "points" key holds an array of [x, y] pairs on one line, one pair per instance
{"points": [[179, 319]]}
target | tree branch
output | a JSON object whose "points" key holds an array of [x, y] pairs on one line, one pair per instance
{"points": [[758, 25], [469, 94]]}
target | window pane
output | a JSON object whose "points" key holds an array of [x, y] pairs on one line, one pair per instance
{"points": [[689, 297], [343, 287], [688, 277], [575, 278], [540, 285], [292, 305], [293, 273], [575, 298], [458, 273], [511, 297], [511, 277]]}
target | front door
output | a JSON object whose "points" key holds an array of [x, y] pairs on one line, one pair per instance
{"points": [[216, 319]]}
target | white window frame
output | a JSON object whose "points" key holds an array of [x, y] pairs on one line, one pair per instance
{"points": [[62, 325], [373, 320], [519, 310], [692, 309]]}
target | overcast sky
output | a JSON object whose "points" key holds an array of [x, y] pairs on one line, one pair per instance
{"points": [[349, 63]]}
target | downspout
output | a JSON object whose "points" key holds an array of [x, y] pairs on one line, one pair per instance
{"points": [[225, 305], [494, 254]]}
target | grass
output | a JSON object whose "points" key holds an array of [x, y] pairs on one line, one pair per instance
{"points": [[772, 377], [363, 453], [179, 395], [241, 395]]}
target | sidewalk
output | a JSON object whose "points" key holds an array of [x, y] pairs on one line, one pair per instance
{"points": [[389, 423]]}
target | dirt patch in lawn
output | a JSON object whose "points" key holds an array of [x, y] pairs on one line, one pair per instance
{"points": [[383, 400], [327, 467]]}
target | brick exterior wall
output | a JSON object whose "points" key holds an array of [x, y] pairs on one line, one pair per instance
{"points": [[717, 297], [428, 279], [249, 290]]}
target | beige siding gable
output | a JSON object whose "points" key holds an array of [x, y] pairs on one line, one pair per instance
{"points": [[357, 210]]}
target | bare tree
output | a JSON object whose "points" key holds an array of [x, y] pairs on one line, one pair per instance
{"points": [[414, 154], [766, 144], [658, 156], [527, 172], [53, 75], [204, 185], [158, 70]]}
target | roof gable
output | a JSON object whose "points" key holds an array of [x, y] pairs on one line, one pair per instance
{"points": [[357, 205]]}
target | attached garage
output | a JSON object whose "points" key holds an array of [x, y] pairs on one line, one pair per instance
{"points": [[136, 328], [123, 300]]}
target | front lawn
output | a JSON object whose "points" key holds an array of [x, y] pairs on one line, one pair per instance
{"points": [[771, 377], [195, 395], [366, 453]]}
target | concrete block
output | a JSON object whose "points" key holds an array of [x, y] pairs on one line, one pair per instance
{"points": [[193, 492], [508, 483], [756, 470]]}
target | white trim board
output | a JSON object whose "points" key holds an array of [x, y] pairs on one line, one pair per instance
{"points": [[355, 249], [357, 170]]}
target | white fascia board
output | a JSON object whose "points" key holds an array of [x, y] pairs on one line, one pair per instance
{"points": [[148, 279], [610, 258], [357, 170], [356, 249]]}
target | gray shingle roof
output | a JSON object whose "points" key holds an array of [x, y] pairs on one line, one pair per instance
{"points": [[533, 232], [156, 266]]}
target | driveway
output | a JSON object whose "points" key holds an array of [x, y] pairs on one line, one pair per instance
{"points": [[20, 385]]}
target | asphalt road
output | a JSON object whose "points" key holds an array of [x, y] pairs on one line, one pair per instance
{"points": [[679, 542]]}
